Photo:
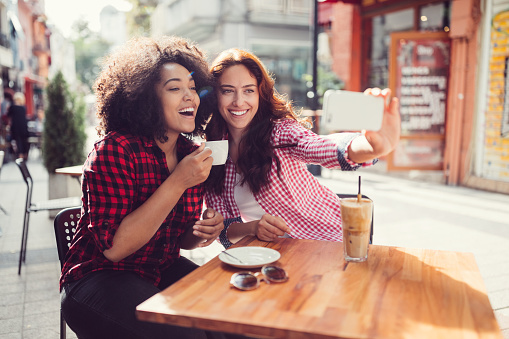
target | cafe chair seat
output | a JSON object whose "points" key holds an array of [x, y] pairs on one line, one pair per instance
{"points": [[65, 227], [54, 204], [341, 196]]}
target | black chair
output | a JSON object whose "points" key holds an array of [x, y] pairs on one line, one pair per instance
{"points": [[65, 226], [341, 196], [54, 204]]}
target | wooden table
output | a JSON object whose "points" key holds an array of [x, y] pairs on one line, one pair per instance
{"points": [[73, 171], [397, 293]]}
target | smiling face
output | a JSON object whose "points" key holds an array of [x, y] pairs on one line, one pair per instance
{"points": [[238, 98], [179, 99]]}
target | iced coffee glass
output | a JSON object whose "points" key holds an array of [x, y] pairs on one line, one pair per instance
{"points": [[356, 219]]}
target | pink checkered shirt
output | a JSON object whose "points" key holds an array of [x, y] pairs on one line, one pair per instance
{"points": [[310, 209]]}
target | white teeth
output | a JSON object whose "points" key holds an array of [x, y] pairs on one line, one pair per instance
{"points": [[189, 109], [238, 112]]}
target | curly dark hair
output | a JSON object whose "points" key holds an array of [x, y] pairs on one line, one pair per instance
{"points": [[126, 99], [255, 150]]}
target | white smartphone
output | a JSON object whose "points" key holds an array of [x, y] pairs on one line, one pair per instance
{"points": [[351, 111]]}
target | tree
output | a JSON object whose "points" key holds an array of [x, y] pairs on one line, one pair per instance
{"points": [[89, 47], [138, 19], [327, 79], [64, 134]]}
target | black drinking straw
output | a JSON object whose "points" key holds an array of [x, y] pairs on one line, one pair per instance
{"points": [[359, 196]]}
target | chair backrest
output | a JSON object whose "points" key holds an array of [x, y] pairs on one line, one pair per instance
{"points": [[24, 171], [65, 225], [28, 180], [341, 196]]}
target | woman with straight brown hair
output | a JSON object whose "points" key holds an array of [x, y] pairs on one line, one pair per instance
{"points": [[265, 189]]}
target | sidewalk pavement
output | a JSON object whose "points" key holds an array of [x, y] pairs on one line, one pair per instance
{"points": [[407, 214]]}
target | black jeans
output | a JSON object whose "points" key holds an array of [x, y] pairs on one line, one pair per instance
{"points": [[103, 304]]}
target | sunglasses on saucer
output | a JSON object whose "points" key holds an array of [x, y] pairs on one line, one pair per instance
{"points": [[246, 280]]}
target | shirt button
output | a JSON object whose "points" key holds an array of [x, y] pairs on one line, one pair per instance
{"points": [[165, 245]]}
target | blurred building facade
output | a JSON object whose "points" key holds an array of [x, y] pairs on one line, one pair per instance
{"points": [[34, 57], [276, 31], [113, 26], [62, 56], [447, 61], [25, 56]]}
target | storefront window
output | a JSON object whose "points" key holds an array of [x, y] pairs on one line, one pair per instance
{"points": [[383, 25], [287, 64], [434, 17]]}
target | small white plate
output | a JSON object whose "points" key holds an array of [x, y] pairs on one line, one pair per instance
{"points": [[251, 256]]}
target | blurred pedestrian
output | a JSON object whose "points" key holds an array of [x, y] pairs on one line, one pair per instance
{"points": [[17, 115]]}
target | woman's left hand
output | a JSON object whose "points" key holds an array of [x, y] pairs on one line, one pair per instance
{"points": [[209, 227], [385, 140]]}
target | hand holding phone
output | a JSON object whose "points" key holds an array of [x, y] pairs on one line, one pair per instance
{"points": [[351, 111]]}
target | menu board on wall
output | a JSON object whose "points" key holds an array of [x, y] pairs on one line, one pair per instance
{"points": [[421, 84], [419, 72]]}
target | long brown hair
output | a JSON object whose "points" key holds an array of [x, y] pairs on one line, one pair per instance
{"points": [[255, 150]]}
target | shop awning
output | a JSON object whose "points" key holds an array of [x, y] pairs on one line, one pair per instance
{"points": [[16, 24], [325, 9], [34, 78], [354, 2]]}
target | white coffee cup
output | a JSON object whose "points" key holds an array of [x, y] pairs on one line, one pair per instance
{"points": [[219, 150]]}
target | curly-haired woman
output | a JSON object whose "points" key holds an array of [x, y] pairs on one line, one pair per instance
{"points": [[265, 189], [142, 190]]}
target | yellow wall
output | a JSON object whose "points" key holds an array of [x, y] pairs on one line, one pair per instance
{"points": [[496, 146]]}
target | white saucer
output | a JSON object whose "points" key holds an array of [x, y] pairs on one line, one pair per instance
{"points": [[251, 256]]}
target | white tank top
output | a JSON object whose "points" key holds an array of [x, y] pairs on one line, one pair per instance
{"points": [[249, 208]]}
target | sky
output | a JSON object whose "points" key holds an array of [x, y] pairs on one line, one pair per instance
{"points": [[63, 13]]}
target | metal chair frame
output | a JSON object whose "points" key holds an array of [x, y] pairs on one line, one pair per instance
{"points": [[30, 207], [65, 227]]}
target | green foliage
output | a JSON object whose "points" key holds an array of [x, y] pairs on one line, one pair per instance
{"points": [[64, 134], [88, 49], [138, 19], [327, 79]]}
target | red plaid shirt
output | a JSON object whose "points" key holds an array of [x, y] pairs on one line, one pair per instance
{"points": [[119, 175], [310, 209]]}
